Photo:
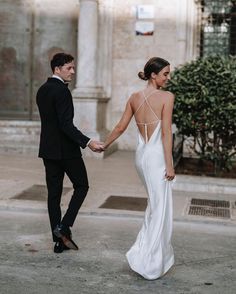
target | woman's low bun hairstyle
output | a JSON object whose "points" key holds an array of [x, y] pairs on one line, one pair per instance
{"points": [[142, 76], [154, 64]]}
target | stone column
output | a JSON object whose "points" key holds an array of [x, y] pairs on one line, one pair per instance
{"points": [[90, 100], [87, 47], [187, 30]]}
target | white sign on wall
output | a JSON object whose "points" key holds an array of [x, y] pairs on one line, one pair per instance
{"points": [[144, 28], [145, 11]]}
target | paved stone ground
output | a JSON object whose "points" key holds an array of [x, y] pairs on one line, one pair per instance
{"points": [[205, 258], [204, 247]]}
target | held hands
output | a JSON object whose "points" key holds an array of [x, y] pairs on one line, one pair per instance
{"points": [[96, 146]]}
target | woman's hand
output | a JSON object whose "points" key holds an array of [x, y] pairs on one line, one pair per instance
{"points": [[170, 173]]}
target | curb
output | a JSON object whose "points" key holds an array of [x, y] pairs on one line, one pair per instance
{"points": [[127, 215]]}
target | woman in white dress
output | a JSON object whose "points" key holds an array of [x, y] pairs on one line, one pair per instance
{"points": [[152, 255]]}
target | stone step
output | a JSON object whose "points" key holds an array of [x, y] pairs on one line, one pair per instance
{"points": [[19, 149], [213, 185], [20, 127], [19, 136], [27, 138]]}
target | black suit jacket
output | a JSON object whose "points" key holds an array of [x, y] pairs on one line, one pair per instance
{"points": [[59, 138]]}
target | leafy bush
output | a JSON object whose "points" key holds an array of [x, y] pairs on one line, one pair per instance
{"points": [[205, 107]]}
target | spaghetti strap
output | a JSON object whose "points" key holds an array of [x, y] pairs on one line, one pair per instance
{"points": [[151, 109], [145, 100], [146, 124]]}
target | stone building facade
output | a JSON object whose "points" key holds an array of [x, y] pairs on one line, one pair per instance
{"points": [[111, 41]]}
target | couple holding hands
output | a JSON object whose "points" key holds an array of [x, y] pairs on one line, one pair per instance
{"points": [[151, 255]]}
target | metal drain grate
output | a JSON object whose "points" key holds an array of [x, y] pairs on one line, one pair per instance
{"points": [[36, 192], [211, 203], [125, 203], [209, 211]]}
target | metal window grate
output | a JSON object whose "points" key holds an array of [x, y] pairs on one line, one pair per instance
{"points": [[209, 211], [218, 27], [211, 203]]}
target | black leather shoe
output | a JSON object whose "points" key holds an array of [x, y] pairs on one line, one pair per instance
{"points": [[62, 230], [65, 247], [64, 233], [59, 247]]}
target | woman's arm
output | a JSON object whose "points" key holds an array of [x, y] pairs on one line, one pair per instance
{"points": [[121, 126], [167, 134]]}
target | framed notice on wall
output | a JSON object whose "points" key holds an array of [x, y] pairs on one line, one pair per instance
{"points": [[144, 28], [144, 25], [145, 11]]}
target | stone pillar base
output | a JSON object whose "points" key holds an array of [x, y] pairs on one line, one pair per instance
{"points": [[90, 117]]}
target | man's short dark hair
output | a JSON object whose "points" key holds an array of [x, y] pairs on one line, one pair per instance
{"points": [[60, 59]]}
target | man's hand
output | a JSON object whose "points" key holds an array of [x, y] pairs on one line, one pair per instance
{"points": [[96, 146]]}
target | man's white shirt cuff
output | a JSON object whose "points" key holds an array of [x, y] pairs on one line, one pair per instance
{"points": [[88, 142]]}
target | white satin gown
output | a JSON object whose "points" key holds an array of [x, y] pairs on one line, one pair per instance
{"points": [[152, 255]]}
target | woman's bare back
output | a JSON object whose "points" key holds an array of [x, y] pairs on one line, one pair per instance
{"points": [[147, 107]]}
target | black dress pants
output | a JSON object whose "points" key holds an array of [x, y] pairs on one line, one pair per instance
{"points": [[76, 172]]}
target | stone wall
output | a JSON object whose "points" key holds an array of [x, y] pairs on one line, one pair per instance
{"points": [[30, 32], [175, 29]]}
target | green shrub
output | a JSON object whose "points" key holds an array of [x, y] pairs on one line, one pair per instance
{"points": [[205, 107]]}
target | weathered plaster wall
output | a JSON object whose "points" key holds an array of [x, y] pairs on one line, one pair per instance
{"points": [[172, 24], [30, 32]]}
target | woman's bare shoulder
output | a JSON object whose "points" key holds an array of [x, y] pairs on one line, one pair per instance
{"points": [[134, 96], [167, 95]]}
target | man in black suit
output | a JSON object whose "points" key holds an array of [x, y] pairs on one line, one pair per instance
{"points": [[60, 143]]}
